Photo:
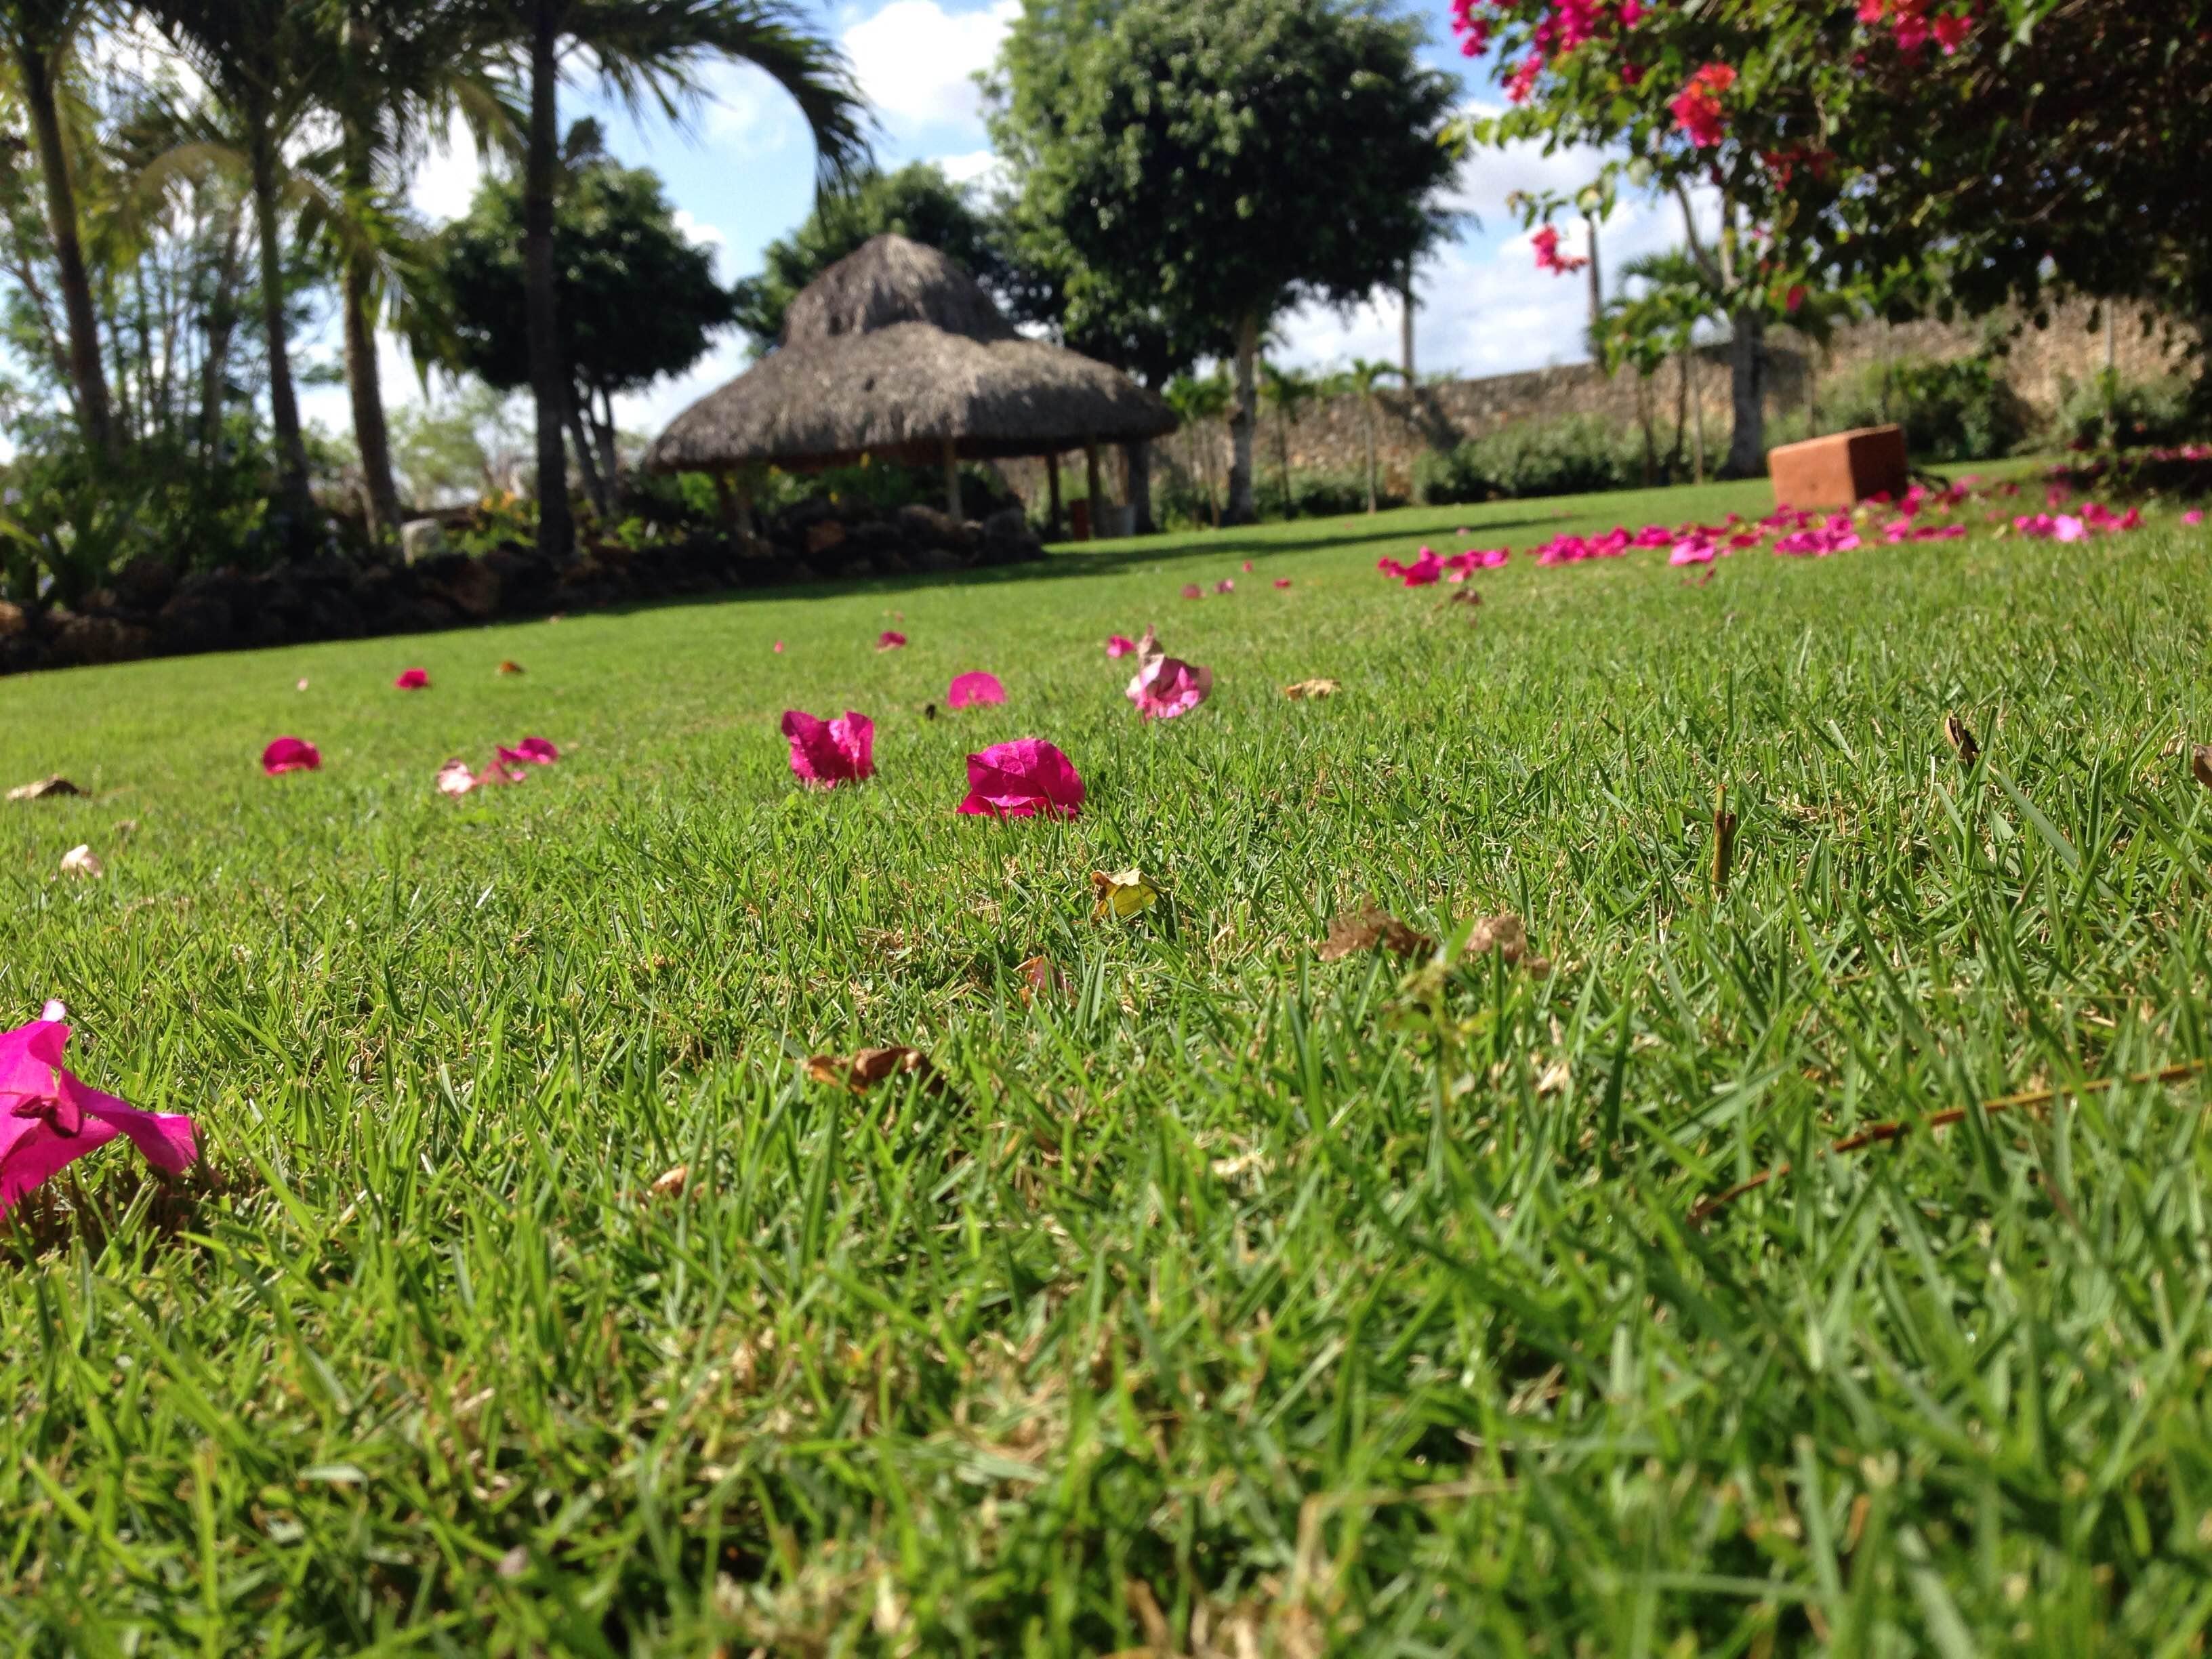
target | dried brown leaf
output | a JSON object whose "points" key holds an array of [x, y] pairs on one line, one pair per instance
{"points": [[1311, 690], [1724, 847], [872, 1065], [1041, 977], [44, 787], [670, 1183], [510, 666], [1961, 737], [1371, 929], [2200, 763]]}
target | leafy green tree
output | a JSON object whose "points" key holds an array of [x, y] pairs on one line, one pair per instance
{"points": [[614, 239], [40, 39], [642, 53], [1665, 299], [1286, 391], [1932, 156], [917, 201], [1198, 402], [261, 60], [1204, 165], [1361, 378]]}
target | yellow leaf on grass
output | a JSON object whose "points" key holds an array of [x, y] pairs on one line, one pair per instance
{"points": [[1123, 894]]}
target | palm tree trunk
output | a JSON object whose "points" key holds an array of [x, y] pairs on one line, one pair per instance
{"points": [[1681, 417], [221, 324], [595, 487], [283, 402], [364, 381], [1746, 455], [1241, 420], [556, 527], [1698, 414], [87, 376], [1367, 431]]}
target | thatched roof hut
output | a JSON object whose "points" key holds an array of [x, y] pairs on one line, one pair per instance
{"points": [[896, 353]]}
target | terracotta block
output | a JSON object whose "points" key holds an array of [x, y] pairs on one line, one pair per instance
{"points": [[1841, 470]]}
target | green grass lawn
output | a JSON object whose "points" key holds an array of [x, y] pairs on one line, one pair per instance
{"points": [[1228, 1300]]}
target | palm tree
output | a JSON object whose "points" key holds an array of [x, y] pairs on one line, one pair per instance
{"points": [[1363, 377], [396, 70], [261, 61], [1286, 391], [40, 38], [1198, 402], [645, 52], [1674, 296]]}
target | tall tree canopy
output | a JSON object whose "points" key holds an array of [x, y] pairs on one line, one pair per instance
{"points": [[614, 239], [1190, 169], [1936, 153], [918, 202]]}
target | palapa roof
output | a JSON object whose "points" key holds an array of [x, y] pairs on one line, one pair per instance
{"points": [[888, 353]]}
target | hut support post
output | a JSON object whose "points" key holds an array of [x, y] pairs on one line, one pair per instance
{"points": [[1052, 484], [952, 480], [1092, 483]]}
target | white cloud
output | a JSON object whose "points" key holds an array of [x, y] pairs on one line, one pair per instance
{"points": [[975, 167], [448, 175], [917, 62], [748, 114]]}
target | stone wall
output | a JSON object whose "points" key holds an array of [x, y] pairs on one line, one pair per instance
{"points": [[1327, 436]]}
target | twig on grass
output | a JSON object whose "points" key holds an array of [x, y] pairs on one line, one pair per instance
{"points": [[1879, 1132]]}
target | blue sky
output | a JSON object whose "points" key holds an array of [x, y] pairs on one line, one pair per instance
{"points": [[742, 175]]}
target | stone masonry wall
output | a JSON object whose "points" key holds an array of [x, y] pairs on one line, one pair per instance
{"points": [[1327, 436]]}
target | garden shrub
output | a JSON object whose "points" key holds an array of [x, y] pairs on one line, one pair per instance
{"points": [[1958, 409], [2109, 411], [1579, 454]]}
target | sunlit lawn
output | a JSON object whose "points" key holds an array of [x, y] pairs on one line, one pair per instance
{"points": [[1226, 1301]]}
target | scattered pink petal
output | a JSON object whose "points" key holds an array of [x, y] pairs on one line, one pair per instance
{"points": [[1248, 567], [1695, 550], [1193, 591], [973, 690], [290, 755], [777, 648], [413, 680], [49, 1119], [531, 751], [301, 686], [1226, 585], [890, 639], [1423, 572], [1023, 779], [2195, 516], [831, 752], [455, 779], [1116, 645], [1166, 687], [1282, 581]]}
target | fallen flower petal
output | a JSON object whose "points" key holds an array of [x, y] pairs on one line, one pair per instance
{"points": [[1123, 894], [1311, 690], [1116, 645], [49, 1119], [290, 755], [82, 862], [670, 1182], [1166, 687], [973, 690], [1041, 977], [1022, 779], [531, 751], [1282, 581], [44, 788], [1226, 585], [413, 680], [890, 639], [1193, 591], [831, 752], [455, 779], [509, 666], [777, 648]]}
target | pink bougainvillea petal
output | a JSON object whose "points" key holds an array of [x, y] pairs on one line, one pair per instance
{"points": [[1026, 778], [413, 680], [1166, 687], [831, 752], [777, 648], [973, 690], [890, 639], [1193, 591], [1282, 581], [49, 1118], [531, 751], [455, 779], [1116, 645], [290, 755], [1226, 585], [1248, 567]]}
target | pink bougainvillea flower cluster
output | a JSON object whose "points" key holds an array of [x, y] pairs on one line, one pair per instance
{"points": [[1424, 572], [972, 690], [1699, 115], [890, 639], [49, 1118], [1166, 687], [1546, 241], [833, 752], [508, 765], [412, 679], [1026, 778], [1118, 645], [290, 755], [1916, 22]]}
